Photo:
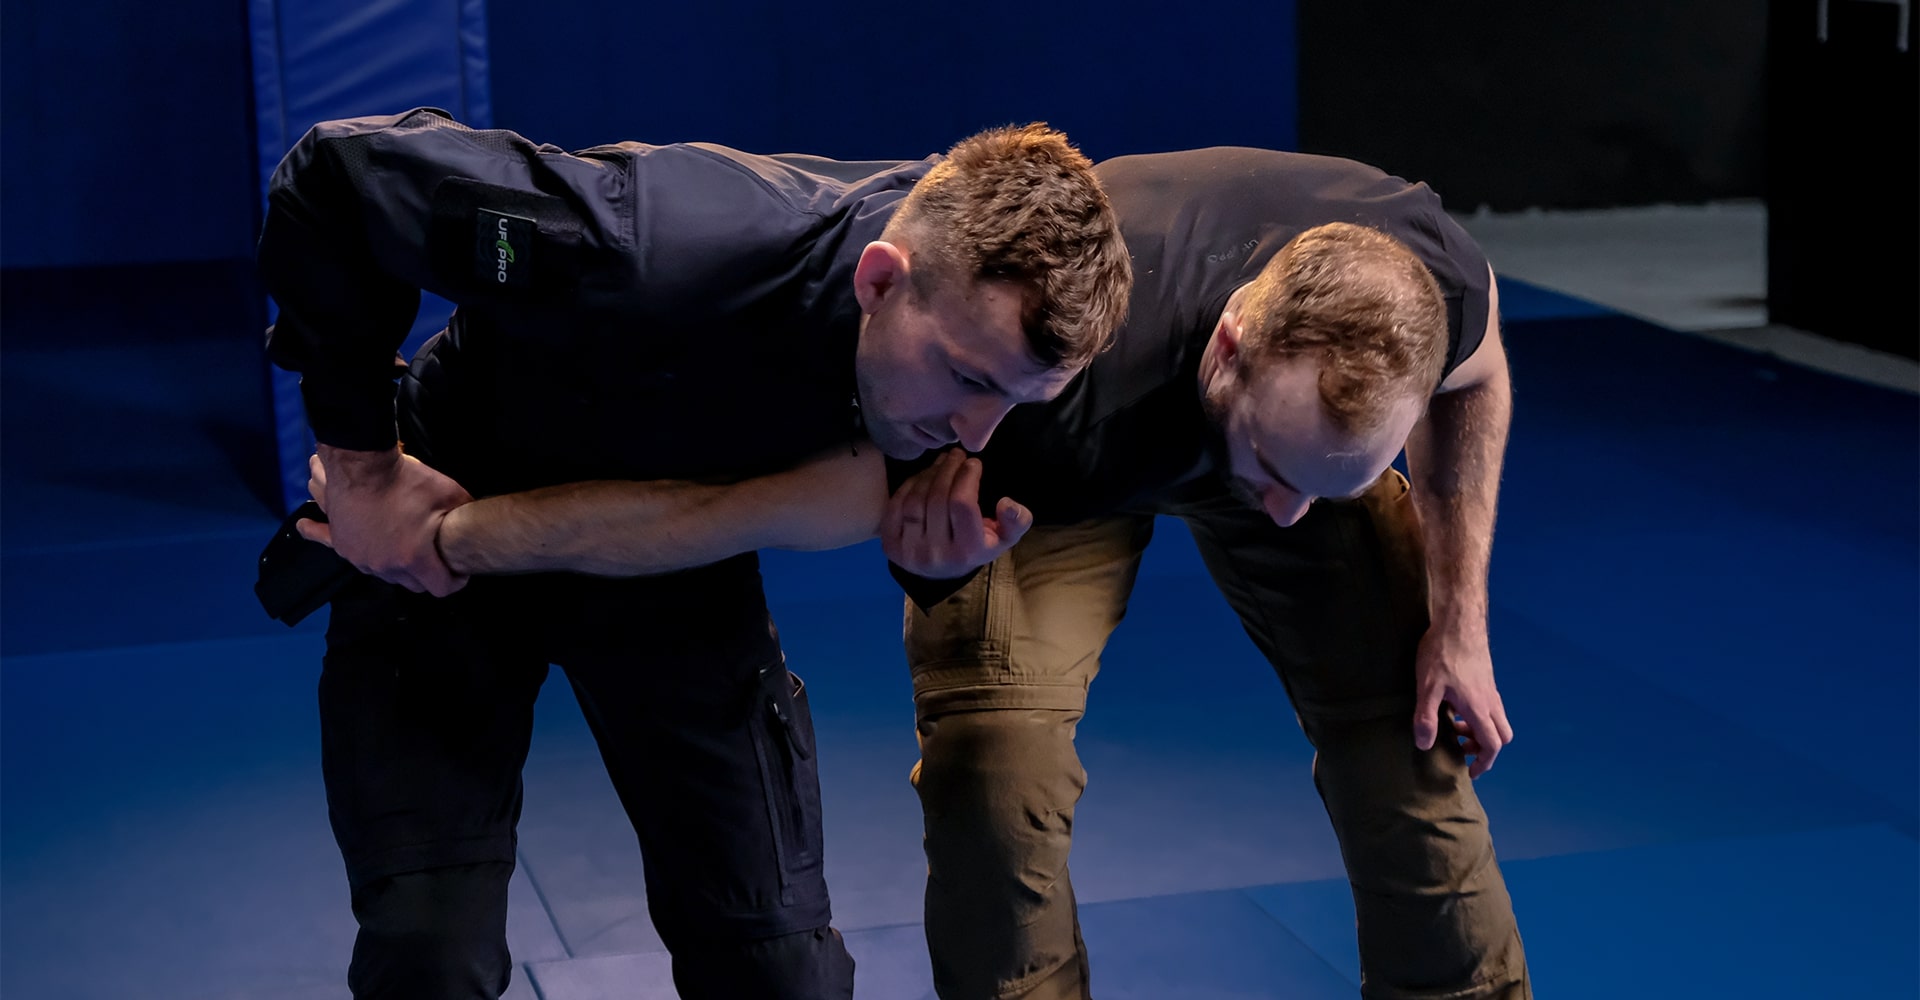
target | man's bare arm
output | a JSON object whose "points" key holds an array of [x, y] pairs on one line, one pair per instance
{"points": [[1455, 456], [618, 528], [932, 527]]}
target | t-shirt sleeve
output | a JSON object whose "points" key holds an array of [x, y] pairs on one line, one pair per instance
{"points": [[1460, 268]]}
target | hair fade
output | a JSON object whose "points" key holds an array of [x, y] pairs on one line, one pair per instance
{"points": [[1020, 204]]}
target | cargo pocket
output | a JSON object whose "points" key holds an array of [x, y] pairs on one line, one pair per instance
{"points": [[1396, 530], [783, 741], [966, 635]]}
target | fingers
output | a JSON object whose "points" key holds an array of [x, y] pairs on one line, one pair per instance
{"points": [[433, 578], [1013, 520], [430, 576], [384, 521], [1426, 716], [439, 488], [963, 506], [317, 480], [1483, 732], [904, 526], [893, 518], [315, 531], [1486, 739], [1463, 732], [932, 525], [941, 519], [911, 504]]}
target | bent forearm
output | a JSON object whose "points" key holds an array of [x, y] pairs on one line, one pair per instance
{"points": [[602, 528], [619, 528], [1455, 456]]}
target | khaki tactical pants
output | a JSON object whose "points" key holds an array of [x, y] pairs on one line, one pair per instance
{"points": [[1337, 603]]}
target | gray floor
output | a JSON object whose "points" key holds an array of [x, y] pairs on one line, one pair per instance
{"points": [[1697, 268]]}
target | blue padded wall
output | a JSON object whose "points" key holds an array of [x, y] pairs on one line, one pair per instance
{"points": [[855, 80], [316, 60]]}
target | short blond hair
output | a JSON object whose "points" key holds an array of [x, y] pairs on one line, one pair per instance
{"points": [[1359, 303], [1020, 204]]}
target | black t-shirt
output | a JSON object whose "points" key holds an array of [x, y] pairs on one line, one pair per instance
{"points": [[1129, 432]]}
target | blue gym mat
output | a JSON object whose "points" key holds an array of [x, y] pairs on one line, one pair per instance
{"points": [[1704, 623]]}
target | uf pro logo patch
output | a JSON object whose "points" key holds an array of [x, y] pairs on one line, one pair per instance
{"points": [[503, 250]]}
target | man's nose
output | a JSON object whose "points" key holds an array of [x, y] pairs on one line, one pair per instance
{"points": [[974, 424], [1283, 505]]}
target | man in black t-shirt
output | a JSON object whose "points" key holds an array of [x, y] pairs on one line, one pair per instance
{"points": [[1295, 321], [1279, 350]]}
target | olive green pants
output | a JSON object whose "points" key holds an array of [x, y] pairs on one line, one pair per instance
{"points": [[1337, 603]]}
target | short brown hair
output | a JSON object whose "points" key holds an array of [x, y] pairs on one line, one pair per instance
{"points": [[1361, 304], [1021, 204]]}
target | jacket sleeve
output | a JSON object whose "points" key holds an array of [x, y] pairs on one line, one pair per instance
{"points": [[362, 214]]}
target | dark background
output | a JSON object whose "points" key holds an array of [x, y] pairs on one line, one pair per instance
{"points": [[129, 132], [130, 203]]}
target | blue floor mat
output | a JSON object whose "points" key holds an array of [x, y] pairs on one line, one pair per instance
{"points": [[1198, 946], [1522, 301], [1728, 917], [134, 508], [1739, 531], [1704, 621]]}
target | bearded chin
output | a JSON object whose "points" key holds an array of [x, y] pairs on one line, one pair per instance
{"points": [[1217, 401], [885, 434], [895, 446]]}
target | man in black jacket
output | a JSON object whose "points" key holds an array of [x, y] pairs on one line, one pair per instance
{"points": [[1296, 320], [629, 312]]}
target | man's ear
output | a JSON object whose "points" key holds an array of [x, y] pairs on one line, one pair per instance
{"points": [[881, 273], [1228, 335]]}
